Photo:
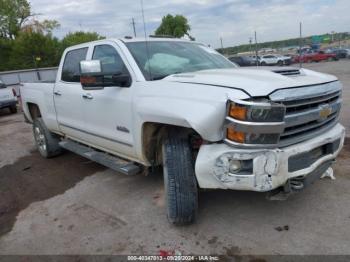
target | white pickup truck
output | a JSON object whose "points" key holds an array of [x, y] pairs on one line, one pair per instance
{"points": [[132, 104]]}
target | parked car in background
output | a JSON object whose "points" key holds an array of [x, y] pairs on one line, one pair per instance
{"points": [[270, 60], [315, 57], [287, 60], [8, 98], [341, 53], [243, 60], [275, 60]]}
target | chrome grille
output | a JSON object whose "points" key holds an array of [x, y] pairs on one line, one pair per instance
{"points": [[309, 111]]}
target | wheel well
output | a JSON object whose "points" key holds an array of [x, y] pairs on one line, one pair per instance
{"points": [[153, 135], [34, 110]]}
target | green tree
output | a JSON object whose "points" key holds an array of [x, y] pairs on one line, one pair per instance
{"points": [[13, 15], [5, 53], [79, 38], [32, 49], [176, 26], [44, 27]]}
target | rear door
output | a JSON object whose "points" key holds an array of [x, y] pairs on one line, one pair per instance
{"points": [[68, 94]]}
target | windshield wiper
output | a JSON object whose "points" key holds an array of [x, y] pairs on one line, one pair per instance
{"points": [[159, 77]]}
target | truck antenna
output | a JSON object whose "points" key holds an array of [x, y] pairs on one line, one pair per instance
{"points": [[300, 45], [146, 41]]}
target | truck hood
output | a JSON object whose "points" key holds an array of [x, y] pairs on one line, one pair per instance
{"points": [[255, 81]]}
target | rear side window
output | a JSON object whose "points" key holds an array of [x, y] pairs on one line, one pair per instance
{"points": [[70, 70]]}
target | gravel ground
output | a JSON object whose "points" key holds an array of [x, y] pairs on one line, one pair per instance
{"points": [[68, 205]]}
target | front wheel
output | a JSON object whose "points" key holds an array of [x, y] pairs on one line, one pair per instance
{"points": [[46, 142], [179, 179], [280, 63]]}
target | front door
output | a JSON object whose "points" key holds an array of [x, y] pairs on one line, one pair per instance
{"points": [[108, 111]]}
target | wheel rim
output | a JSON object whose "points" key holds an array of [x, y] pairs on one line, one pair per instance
{"points": [[40, 140]]}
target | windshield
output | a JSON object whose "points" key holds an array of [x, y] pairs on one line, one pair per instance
{"points": [[158, 59]]}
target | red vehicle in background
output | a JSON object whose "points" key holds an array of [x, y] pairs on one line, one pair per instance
{"points": [[315, 57]]}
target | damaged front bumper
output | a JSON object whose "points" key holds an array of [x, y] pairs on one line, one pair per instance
{"points": [[264, 170]]}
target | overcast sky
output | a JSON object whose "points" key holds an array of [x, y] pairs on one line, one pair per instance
{"points": [[233, 20]]}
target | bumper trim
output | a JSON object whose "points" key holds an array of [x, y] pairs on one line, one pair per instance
{"points": [[270, 166]]}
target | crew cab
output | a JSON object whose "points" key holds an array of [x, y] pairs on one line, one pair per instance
{"points": [[8, 98], [135, 104]]}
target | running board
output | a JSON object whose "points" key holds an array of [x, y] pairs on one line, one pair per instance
{"points": [[113, 162]]}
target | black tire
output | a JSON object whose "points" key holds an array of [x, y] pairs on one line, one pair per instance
{"points": [[280, 63], [263, 64], [179, 179], [46, 142], [13, 109]]}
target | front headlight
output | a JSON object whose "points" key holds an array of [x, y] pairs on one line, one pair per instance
{"points": [[255, 112], [254, 123]]}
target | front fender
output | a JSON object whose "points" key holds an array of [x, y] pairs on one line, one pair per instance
{"points": [[205, 118]]}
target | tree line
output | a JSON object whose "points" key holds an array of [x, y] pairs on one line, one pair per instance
{"points": [[335, 38], [26, 42]]}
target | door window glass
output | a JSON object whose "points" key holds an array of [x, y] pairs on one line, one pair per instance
{"points": [[111, 61], [70, 70]]}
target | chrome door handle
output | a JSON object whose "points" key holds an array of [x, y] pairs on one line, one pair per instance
{"points": [[57, 93], [87, 96]]}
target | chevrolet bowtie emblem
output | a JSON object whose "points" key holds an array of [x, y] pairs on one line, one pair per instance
{"points": [[325, 111]]}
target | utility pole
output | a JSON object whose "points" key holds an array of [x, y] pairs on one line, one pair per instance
{"points": [[222, 46], [256, 50], [300, 45], [133, 26], [250, 45]]}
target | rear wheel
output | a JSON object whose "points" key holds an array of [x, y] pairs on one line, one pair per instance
{"points": [[13, 109], [280, 63], [263, 63], [46, 142], [179, 179]]}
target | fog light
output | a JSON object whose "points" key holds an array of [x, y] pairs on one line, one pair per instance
{"points": [[235, 166]]}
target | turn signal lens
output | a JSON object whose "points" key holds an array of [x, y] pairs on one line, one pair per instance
{"points": [[234, 135], [238, 112], [87, 79]]}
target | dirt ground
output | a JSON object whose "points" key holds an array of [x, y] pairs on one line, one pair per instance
{"points": [[69, 205]]}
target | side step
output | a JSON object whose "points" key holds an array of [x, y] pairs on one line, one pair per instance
{"points": [[113, 162]]}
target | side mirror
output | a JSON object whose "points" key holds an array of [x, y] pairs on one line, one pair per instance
{"points": [[92, 77], [122, 80]]}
